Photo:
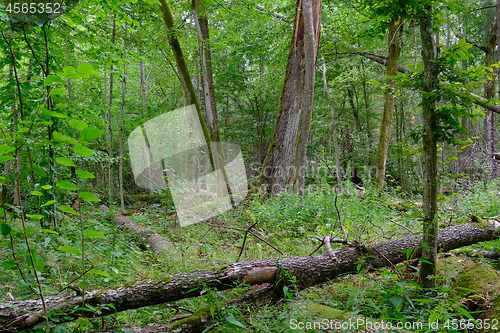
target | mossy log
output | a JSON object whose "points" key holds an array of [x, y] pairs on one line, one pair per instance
{"points": [[308, 271], [158, 244]]}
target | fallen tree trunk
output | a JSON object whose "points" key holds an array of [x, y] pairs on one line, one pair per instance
{"points": [[159, 244], [20, 315]]}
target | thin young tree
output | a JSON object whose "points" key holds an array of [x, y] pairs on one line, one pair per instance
{"points": [[430, 55]]}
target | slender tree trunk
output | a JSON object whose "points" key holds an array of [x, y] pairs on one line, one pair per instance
{"points": [[494, 139], [308, 98], [184, 76], [201, 22], [120, 166], [17, 162], [334, 128], [394, 46], [110, 126], [143, 86], [430, 55], [279, 166], [490, 129]]}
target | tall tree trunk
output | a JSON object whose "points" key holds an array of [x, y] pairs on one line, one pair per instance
{"points": [[120, 166], [334, 128], [184, 76], [394, 46], [490, 129], [494, 139], [430, 55], [201, 22], [308, 98], [110, 126], [281, 156], [17, 162]]}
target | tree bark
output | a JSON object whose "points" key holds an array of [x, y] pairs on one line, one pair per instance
{"points": [[279, 168], [144, 92], [308, 97], [120, 166], [201, 22], [394, 46], [109, 120], [336, 146], [429, 155], [490, 129], [494, 139], [21, 315]]}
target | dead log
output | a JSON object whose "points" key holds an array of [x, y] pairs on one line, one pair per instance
{"points": [[159, 244], [20, 315], [487, 254]]}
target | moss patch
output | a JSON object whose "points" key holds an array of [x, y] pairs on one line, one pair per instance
{"points": [[195, 322], [326, 312], [473, 280]]}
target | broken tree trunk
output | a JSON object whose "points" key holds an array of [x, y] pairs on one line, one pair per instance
{"points": [[20, 315], [158, 244]]}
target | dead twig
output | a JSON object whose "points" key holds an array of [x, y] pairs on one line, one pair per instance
{"points": [[252, 233], [329, 250], [399, 224], [245, 240]]}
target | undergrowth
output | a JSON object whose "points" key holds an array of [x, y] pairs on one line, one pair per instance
{"points": [[289, 222]]}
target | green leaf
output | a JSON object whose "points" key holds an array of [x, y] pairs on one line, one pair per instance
{"points": [[59, 137], [57, 114], [465, 313], [397, 302], [49, 80], [4, 159], [83, 151], [46, 187], [96, 271], [422, 300], [35, 216], [5, 229], [6, 149], [37, 193], [68, 209], [66, 185], [230, 319], [48, 203], [87, 196], [93, 234], [58, 92], [84, 174], [49, 231], [77, 124], [91, 133], [70, 249], [65, 161], [88, 69]]}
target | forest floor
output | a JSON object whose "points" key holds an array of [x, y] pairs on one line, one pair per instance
{"points": [[290, 223]]}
